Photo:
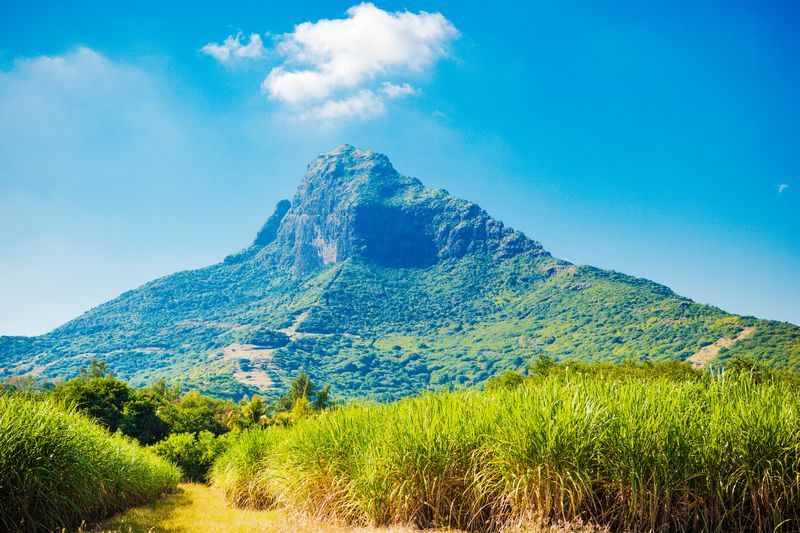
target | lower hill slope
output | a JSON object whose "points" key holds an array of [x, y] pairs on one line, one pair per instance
{"points": [[383, 332]]}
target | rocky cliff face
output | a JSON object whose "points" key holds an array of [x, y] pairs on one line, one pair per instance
{"points": [[353, 202], [269, 230]]}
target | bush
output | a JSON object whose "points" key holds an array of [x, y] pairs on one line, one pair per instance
{"points": [[193, 453], [265, 338], [58, 468]]}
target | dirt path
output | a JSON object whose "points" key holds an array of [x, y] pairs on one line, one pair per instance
{"points": [[291, 331], [708, 353], [200, 508]]}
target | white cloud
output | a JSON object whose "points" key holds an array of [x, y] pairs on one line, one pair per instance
{"points": [[331, 66], [362, 105], [233, 48], [782, 187], [392, 91], [365, 104]]}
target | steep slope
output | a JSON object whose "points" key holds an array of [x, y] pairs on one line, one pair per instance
{"points": [[382, 287]]}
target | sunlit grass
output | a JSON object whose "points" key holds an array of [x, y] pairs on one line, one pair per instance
{"points": [[192, 508], [634, 454], [58, 468], [198, 507]]}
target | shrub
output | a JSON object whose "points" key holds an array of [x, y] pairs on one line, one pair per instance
{"points": [[193, 453], [58, 468], [265, 338]]}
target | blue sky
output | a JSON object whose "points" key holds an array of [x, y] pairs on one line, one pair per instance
{"points": [[659, 140]]}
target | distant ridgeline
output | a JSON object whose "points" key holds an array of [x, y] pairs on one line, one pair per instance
{"points": [[382, 287]]}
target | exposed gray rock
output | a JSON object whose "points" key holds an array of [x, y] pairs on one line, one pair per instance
{"points": [[269, 230], [353, 203]]}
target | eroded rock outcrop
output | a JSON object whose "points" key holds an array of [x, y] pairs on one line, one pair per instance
{"points": [[353, 202]]}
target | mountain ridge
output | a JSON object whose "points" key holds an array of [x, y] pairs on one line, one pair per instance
{"points": [[383, 287]]}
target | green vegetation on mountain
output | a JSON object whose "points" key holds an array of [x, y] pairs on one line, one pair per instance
{"points": [[634, 447], [383, 288]]}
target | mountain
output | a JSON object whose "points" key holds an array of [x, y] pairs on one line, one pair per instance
{"points": [[382, 287]]}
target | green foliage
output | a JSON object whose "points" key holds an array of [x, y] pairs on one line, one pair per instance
{"points": [[301, 401], [101, 397], [96, 370], [58, 468], [162, 392], [25, 384], [194, 453], [239, 469], [542, 365], [265, 338], [195, 413], [152, 413], [384, 333], [114, 404], [646, 447], [140, 420], [672, 370], [752, 368], [253, 412], [508, 380], [302, 388]]}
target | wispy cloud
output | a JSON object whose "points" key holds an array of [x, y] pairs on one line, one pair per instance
{"points": [[345, 68], [392, 91], [782, 187], [81, 96], [362, 105], [233, 48]]}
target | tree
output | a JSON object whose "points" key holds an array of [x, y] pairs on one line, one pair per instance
{"points": [[302, 409], [508, 380], [140, 420], [96, 369], [253, 412], [102, 398], [543, 365], [162, 391], [748, 366], [303, 387], [195, 413], [322, 400], [193, 453]]}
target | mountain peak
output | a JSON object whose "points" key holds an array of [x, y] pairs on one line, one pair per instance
{"points": [[353, 203], [345, 165]]}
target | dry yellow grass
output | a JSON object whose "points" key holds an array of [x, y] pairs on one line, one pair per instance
{"points": [[200, 508]]}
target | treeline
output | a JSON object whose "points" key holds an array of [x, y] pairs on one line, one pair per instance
{"points": [[188, 429]]}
